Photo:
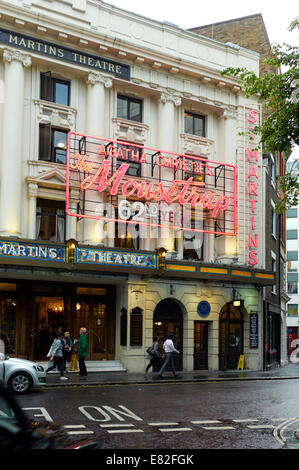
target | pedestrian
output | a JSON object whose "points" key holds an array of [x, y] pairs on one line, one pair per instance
{"points": [[169, 349], [82, 353], [67, 349], [56, 355], [154, 356]]}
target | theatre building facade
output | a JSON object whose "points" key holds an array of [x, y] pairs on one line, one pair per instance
{"points": [[131, 195]]}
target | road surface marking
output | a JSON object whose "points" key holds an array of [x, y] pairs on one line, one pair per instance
{"points": [[175, 429], [218, 428], [116, 425], [211, 421], [80, 432], [115, 431], [163, 424], [69, 426], [244, 420]]}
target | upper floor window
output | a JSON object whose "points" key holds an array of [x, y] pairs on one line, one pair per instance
{"points": [[50, 220], [52, 144], [54, 89], [129, 108], [291, 213], [273, 219], [273, 266], [292, 234], [195, 124], [292, 309], [132, 156]]}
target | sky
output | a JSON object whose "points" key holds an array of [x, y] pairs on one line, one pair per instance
{"points": [[192, 13]]}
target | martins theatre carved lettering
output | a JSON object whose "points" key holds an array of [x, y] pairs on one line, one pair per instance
{"points": [[59, 52]]}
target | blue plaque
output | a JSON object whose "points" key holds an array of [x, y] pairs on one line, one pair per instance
{"points": [[203, 308]]}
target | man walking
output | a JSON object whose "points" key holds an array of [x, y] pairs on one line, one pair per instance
{"points": [[169, 349], [82, 352]]}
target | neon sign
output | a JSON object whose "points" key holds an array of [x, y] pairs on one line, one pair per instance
{"points": [[128, 183], [253, 178]]}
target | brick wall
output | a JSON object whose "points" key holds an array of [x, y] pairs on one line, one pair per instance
{"points": [[248, 32]]}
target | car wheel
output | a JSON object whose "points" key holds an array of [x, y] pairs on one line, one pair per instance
{"points": [[19, 382]]}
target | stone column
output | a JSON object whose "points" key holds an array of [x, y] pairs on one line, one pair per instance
{"points": [[32, 196], [12, 180], [166, 142], [95, 126], [71, 222]]}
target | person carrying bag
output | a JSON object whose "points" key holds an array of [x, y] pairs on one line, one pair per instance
{"points": [[56, 357], [154, 356]]}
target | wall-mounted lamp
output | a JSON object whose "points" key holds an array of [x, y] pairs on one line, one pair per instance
{"points": [[71, 246], [237, 298], [161, 258]]}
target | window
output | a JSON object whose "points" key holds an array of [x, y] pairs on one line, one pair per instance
{"points": [[292, 283], [292, 309], [129, 108], [293, 266], [273, 164], [136, 327], [274, 271], [50, 220], [52, 144], [292, 234], [127, 235], [133, 154], [54, 90], [273, 219], [292, 256], [195, 124], [291, 213]]}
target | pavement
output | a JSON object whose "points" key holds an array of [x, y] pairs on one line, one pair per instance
{"points": [[285, 372]]}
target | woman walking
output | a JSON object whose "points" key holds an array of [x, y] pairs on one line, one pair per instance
{"points": [[82, 353], [154, 356], [56, 355]]}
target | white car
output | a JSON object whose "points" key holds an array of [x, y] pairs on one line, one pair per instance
{"points": [[20, 375]]}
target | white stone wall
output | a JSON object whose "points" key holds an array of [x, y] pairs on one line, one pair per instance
{"points": [[172, 70]]}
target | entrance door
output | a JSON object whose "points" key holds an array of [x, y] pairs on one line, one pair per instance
{"points": [[230, 336], [200, 345], [168, 318], [97, 314], [49, 320]]}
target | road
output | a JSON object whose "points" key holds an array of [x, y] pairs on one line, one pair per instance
{"points": [[226, 415]]}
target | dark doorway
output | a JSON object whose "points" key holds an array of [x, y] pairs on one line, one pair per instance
{"points": [[168, 318], [200, 345], [230, 336]]}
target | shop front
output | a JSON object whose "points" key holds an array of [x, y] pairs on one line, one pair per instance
{"points": [[124, 298], [34, 313]]}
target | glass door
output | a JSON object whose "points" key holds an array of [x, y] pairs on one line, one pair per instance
{"points": [[200, 345]]}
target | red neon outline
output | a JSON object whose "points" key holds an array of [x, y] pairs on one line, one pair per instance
{"points": [[136, 221]]}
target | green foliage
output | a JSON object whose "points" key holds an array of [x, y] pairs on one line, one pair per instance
{"points": [[279, 94]]}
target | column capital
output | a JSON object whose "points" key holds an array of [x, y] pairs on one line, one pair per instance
{"points": [[10, 55], [32, 190], [98, 77], [167, 97]]}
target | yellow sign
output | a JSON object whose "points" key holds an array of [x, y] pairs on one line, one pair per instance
{"points": [[242, 363]]}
